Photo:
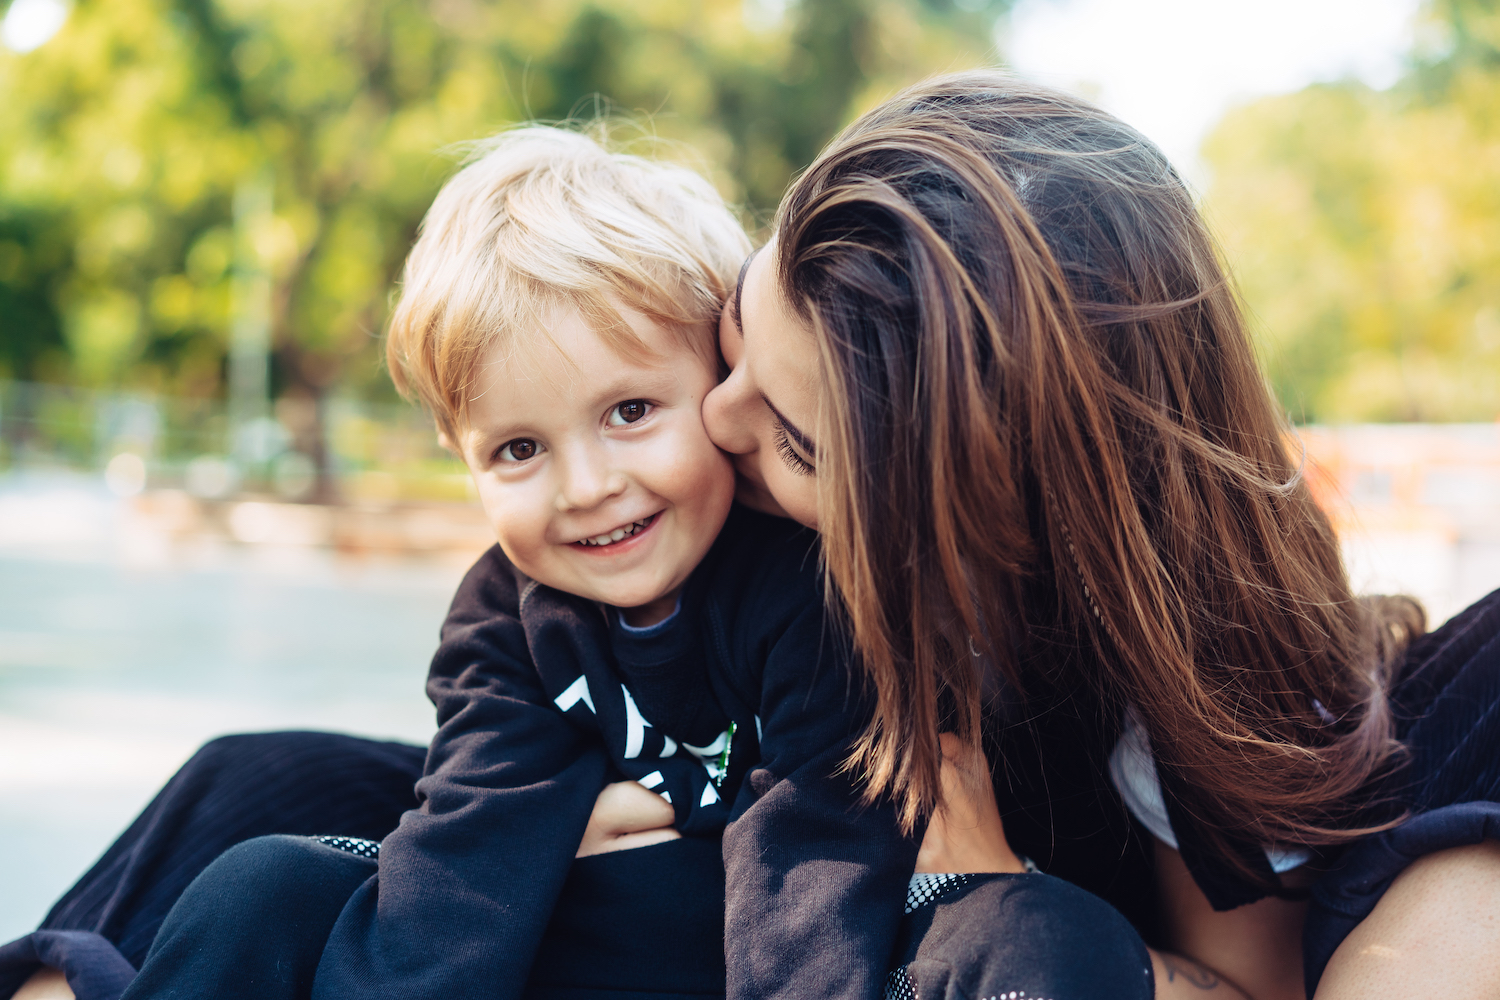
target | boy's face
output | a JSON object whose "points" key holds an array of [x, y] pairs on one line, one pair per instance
{"points": [[594, 468]]}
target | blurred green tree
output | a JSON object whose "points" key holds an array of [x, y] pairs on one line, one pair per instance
{"points": [[1363, 226], [124, 138]]}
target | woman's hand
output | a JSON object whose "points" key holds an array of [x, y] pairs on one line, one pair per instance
{"points": [[965, 835], [625, 816]]}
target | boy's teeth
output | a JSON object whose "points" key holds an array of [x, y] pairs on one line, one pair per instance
{"points": [[617, 534]]}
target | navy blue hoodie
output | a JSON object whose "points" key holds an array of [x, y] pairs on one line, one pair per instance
{"points": [[741, 709]]}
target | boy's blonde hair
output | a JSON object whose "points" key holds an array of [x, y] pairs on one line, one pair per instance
{"points": [[542, 219]]}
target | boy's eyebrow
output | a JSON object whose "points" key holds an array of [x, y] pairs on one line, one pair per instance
{"points": [[739, 291], [802, 440], [637, 383]]}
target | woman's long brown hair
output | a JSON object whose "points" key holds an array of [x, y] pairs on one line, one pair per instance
{"points": [[1045, 441]]}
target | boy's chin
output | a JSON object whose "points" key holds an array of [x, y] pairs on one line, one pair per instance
{"points": [[642, 608]]}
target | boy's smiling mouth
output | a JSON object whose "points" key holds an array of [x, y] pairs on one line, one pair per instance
{"points": [[619, 535]]}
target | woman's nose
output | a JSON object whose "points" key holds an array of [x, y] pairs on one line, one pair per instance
{"points": [[726, 414]]}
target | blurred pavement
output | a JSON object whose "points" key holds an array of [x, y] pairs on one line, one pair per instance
{"points": [[123, 648]]}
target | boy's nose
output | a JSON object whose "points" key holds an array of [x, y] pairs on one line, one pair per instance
{"points": [[587, 483]]}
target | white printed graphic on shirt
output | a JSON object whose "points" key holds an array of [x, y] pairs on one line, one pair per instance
{"points": [[576, 692], [713, 758], [635, 726]]}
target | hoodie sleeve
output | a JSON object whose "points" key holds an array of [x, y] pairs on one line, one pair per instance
{"points": [[816, 879], [468, 879]]}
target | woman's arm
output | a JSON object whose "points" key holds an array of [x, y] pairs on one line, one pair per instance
{"points": [[1435, 932], [1179, 978], [1257, 947], [967, 835]]}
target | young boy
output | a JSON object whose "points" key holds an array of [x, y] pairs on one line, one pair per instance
{"points": [[558, 318]]}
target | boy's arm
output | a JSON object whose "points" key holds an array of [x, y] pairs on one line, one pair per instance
{"points": [[468, 879], [816, 880]]}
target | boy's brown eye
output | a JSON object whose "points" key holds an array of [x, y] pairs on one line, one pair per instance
{"points": [[518, 450], [629, 412]]}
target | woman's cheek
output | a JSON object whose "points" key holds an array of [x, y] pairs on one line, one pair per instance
{"points": [[797, 495]]}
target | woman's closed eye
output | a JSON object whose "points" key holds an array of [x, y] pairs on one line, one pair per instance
{"points": [[518, 450], [788, 452], [629, 412]]}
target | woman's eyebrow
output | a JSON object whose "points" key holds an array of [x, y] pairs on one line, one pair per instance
{"points": [[739, 291], [802, 440]]}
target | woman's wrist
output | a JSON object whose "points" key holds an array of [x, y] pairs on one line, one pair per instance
{"points": [[1179, 978], [965, 834]]}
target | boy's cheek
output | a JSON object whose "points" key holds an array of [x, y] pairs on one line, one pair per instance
{"points": [[694, 472], [510, 523]]}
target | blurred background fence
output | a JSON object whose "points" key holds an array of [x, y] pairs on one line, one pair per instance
{"points": [[370, 452], [359, 477]]}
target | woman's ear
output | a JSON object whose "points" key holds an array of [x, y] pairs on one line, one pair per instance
{"points": [[447, 443]]}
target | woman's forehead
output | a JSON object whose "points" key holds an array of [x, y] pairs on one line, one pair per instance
{"points": [[779, 344]]}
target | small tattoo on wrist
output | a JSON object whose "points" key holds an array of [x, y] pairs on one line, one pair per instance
{"points": [[1191, 973]]}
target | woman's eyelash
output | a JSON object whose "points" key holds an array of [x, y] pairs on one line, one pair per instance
{"points": [[799, 465]]}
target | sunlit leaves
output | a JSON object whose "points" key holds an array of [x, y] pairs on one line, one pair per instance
{"points": [[1363, 227], [123, 139]]}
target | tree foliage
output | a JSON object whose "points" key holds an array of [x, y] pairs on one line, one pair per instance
{"points": [[1364, 227], [124, 138]]}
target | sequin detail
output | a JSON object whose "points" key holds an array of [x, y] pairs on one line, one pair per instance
{"points": [[929, 887], [353, 845], [926, 887], [898, 985]]}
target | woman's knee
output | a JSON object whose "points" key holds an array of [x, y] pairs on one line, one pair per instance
{"points": [[1434, 932], [1034, 935], [254, 923], [254, 751], [277, 876]]}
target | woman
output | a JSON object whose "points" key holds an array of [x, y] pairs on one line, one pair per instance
{"points": [[991, 354]]}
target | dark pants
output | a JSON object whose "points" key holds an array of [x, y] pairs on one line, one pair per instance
{"points": [[644, 924], [647, 922], [233, 789]]}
